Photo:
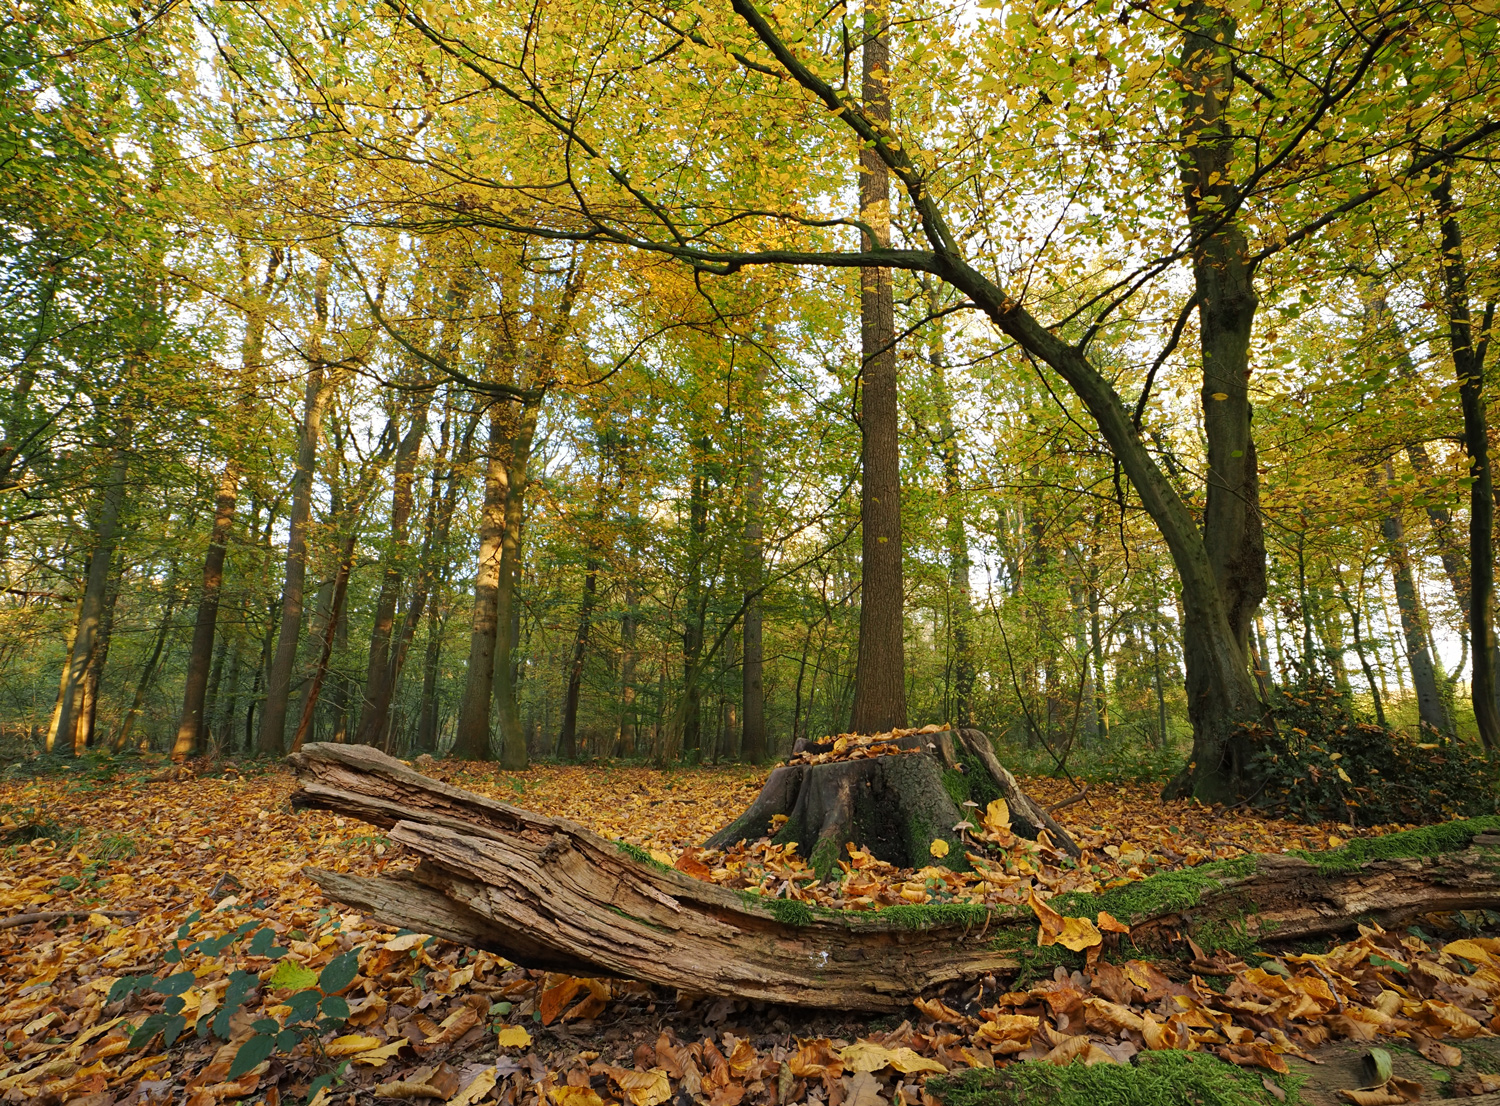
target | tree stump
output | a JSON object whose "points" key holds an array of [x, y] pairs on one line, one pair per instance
{"points": [[893, 805]]}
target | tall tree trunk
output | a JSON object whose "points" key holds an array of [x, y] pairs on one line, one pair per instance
{"points": [[1430, 705], [91, 606], [472, 741], [955, 533], [189, 740], [427, 717], [330, 632], [1468, 363], [376, 702], [880, 674], [121, 740], [1221, 695], [567, 739], [93, 680], [513, 755], [190, 727], [1359, 650], [695, 605], [629, 728], [315, 402], [752, 663]]}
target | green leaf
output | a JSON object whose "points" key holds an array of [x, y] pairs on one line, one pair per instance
{"points": [[251, 1053], [334, 1006], [339, 973], [175, 984], [173, 1029], [292, 976]]}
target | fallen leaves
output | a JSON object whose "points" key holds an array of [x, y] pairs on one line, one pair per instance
{"points": [[139, 861]]}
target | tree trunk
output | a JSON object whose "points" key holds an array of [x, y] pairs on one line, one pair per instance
{"points": [[93, 680], [375, 704], [1468, 364], [513, 756], [427, 718], [315, 402], [567, 740], [1359, 650], [330, 632], [548, 894], [628, 734], [65, 719], [189, 740], [121, 740], [880, 673], [1430, 705], [191, 726], [753, 557], [472, 741]]}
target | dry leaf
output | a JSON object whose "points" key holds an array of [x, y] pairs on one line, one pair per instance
{"points": [[513, 1036]]}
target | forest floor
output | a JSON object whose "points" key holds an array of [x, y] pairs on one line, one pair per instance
{"points": [[127, 859]]}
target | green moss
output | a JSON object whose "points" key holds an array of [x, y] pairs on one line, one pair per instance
{"points": [[957, 786], [789, 912], [930, 916], [1164, 893], [641, 856], [1154, 1079], [824, 859], [1435, 840]]}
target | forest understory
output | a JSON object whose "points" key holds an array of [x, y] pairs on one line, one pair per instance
{"points": [[111, 863]]}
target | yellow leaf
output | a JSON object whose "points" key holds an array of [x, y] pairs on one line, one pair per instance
{"points": [[377, 1057], [404, 944], [644, 1088], [513, 1036], [1221, 395], [997, 816], [1343, 775], [575, 1096], [938, 848], [865, 1055], [351, 1045], [906, 1061], [481, 1085]]}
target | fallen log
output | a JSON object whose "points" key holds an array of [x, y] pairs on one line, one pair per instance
{"points": [[550, 894]]}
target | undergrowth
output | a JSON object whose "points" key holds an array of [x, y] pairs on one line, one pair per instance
{"points": [[1154, 1079], [1324, 761]]}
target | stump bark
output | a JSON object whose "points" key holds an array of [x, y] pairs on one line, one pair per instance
{"points": [[550, 894], [893, 806]]}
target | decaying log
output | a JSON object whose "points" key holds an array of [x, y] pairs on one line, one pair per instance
{"points": [[893, 806], [548, 893], [1288, 898]]}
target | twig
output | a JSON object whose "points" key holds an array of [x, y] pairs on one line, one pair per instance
{"points": [[1078, 798], [57, 915]]}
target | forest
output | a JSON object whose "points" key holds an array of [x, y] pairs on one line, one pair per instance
{"points": [[508, 423]]}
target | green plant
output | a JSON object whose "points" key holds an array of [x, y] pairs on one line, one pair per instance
{"points": [[316, 1005], [1323, 761]]}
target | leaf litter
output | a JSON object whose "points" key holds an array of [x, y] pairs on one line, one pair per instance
{"points": [[113, 868]]}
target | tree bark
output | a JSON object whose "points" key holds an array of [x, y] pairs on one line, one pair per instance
{"points": [[65, 719], [315, 401], [880, 673], [513, 756], [1430, 707], [550, 894], [375, 704], [1221, 696], [1468, 364], [121, 740], [752, 657], [567, 739], [193, 722], [472, 741], [330, 633], [955, 533]]}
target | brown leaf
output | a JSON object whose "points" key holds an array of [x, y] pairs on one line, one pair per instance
{"points": [[863, 1090], [1252, 1055], [1439, 1052]]}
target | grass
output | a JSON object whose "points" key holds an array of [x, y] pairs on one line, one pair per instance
{"points": [[1154, 1079]]}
